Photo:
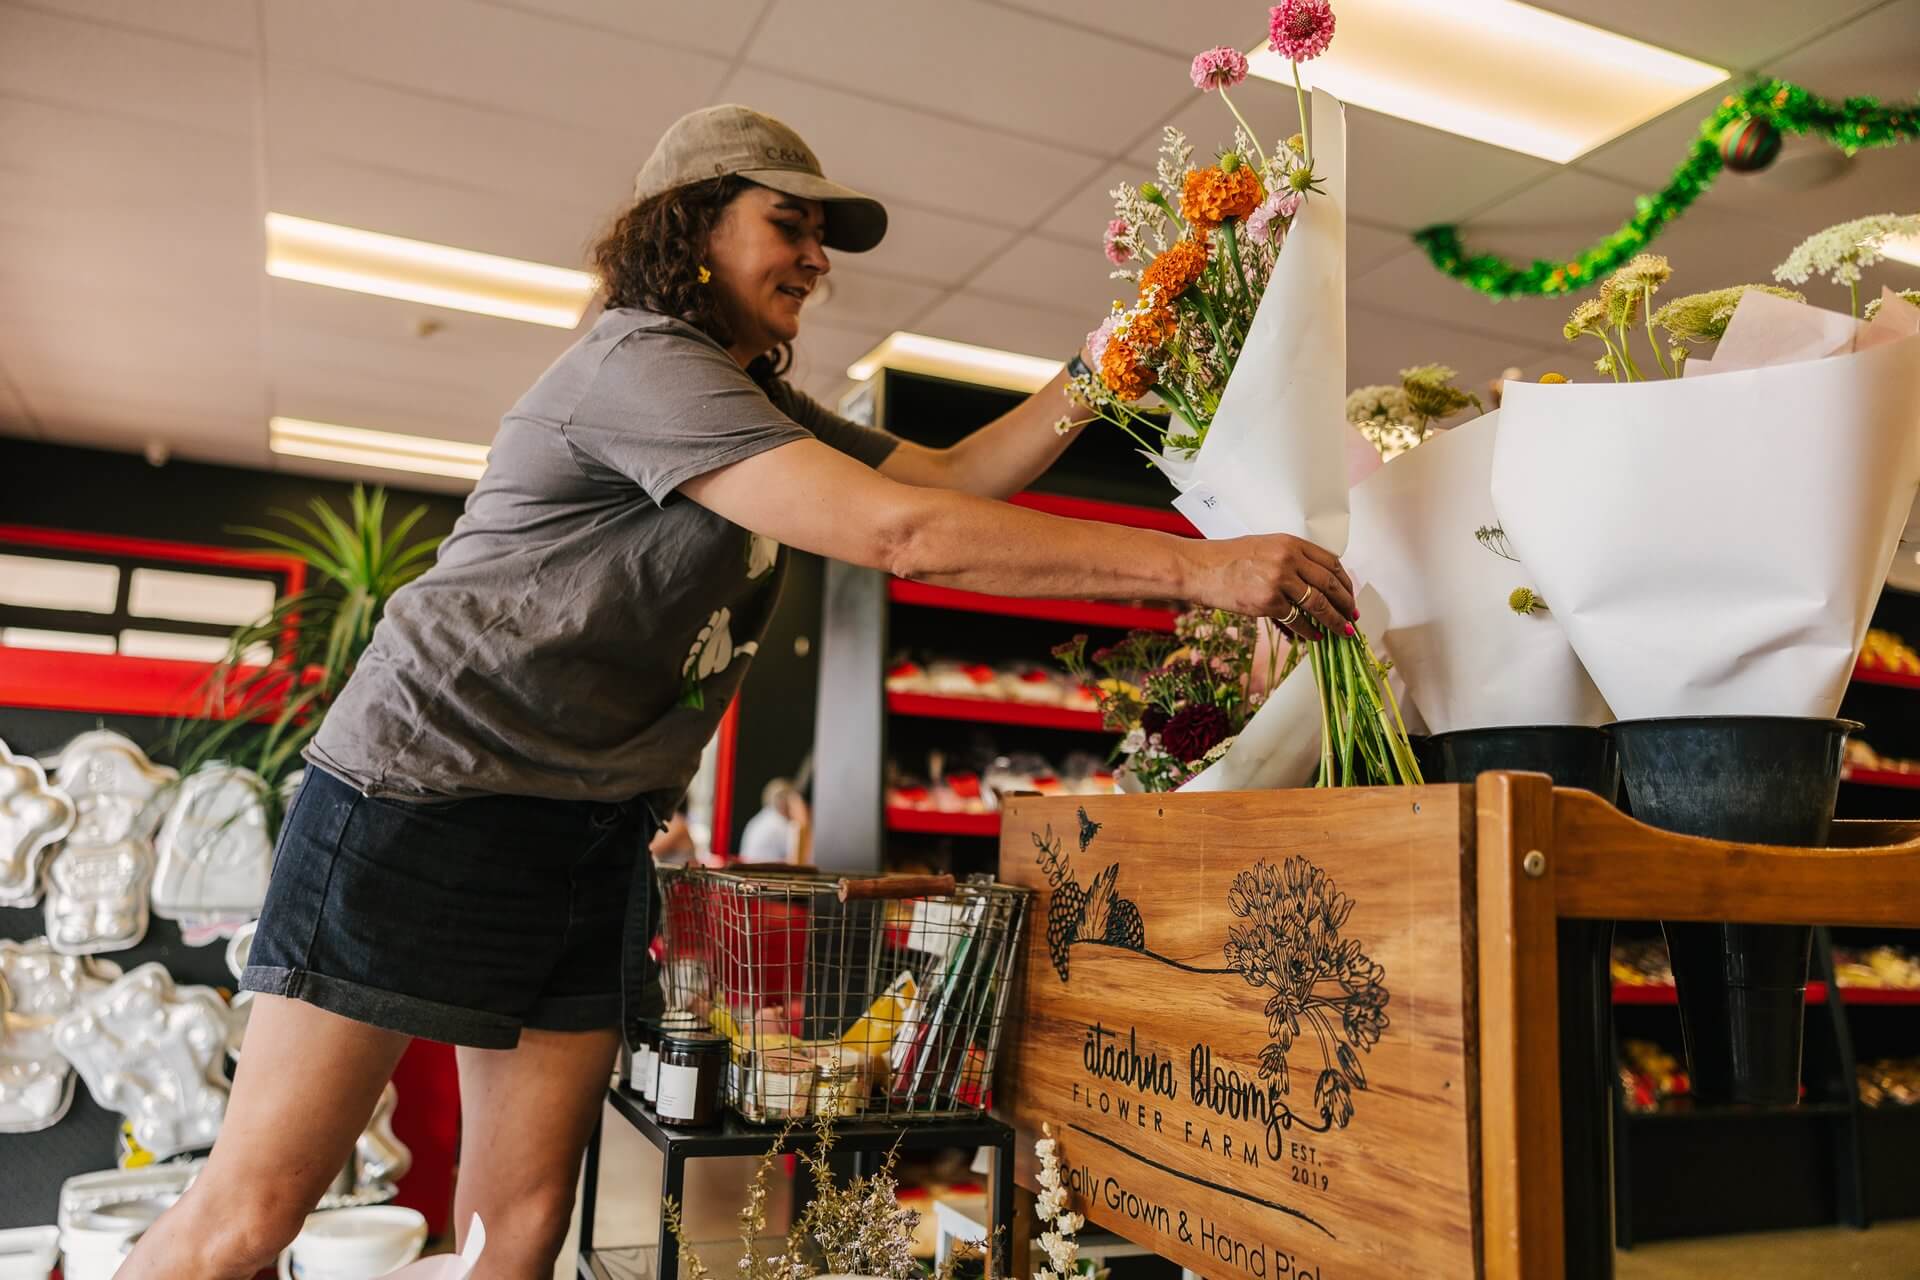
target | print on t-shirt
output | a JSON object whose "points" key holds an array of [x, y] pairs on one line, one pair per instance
{"points": [[712, 653]]}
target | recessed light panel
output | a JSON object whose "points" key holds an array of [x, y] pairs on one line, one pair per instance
{"points": [[1497, 71]]}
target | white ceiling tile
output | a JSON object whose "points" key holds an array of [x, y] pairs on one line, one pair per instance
{"points": [[1007, 326], [128, 426], [1739, 37], [1876, 55], [141, 166], [403, 481], [314, 112], [862, 299], [900, 152], [714, 26], [505, 59], [975, 62], [1399, 174], [228, 23], [1059, 274], [525, 224], [1085, 213], [922, 244], [1381, 343], [1182, 29], [84, 64], [821, 357]]}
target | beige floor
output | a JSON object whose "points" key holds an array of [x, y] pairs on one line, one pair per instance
{"points": [[1889, 1251]]}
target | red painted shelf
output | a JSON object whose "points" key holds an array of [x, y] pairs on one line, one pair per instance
{"points": [[934, 823], [1625, 993], [987, 710], [1880, 778], [1898, 679], [1086, 613]]}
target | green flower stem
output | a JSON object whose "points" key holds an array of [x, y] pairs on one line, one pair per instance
{"points": [[1632, 370], [1252, 137], [1306, 130], [1853, 298], [1646, 305], [1402, 747], [1239, 273], [1121, 423], [1213, 322], [1323, 680], [1166, 391]]}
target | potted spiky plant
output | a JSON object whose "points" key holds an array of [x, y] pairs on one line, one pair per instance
{"points": [[261, 716]]}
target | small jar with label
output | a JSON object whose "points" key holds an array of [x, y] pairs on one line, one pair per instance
{"points": [[639, 1062], [693, 1076], [673, 1022], [839, 1087]]}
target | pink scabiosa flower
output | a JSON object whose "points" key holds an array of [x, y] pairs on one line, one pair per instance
{"points": [[1118, 253], [1221, 68], [1097, 348], [1264, 223], [1300, 30]]}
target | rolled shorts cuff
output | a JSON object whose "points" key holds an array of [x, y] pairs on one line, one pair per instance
{"points": [[575, 1013], [388, 1010]]}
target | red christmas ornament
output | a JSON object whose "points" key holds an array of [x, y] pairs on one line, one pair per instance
{"points": [[1750, 145]]}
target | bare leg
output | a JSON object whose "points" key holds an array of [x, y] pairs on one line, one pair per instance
{"points": [[526, 1114], [301, 1096]]}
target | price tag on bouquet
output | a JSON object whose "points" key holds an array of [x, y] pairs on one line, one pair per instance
{"points": [[1208, 512]]}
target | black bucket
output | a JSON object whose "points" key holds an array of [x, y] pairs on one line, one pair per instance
{"points": [[1742, 987], [1575, 756]]}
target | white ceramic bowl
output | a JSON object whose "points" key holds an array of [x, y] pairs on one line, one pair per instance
{"points": [[354, 1244]]}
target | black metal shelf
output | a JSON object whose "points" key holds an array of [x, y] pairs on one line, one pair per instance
{"points": [[735, 1137]]}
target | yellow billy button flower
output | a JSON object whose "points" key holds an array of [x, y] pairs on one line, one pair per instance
{"points": [[1524, 602], [1553, 377]]}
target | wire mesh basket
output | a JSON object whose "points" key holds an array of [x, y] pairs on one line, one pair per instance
{"points": [[874, 999]]}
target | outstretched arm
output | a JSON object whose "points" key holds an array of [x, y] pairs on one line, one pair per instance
{"points": [[812, 497], [1003, 457]]}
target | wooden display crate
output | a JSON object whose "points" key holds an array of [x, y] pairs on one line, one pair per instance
{"points": [[1306, 1033]]}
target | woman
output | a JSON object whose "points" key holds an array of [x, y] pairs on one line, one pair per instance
{"points": [[457, 864]]}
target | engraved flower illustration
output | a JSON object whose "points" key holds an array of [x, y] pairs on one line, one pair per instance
{"points": [[1322, 989]]}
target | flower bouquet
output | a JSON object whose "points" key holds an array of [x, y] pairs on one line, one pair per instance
{"points": [[1239, 330], [1714, 542], [1179, 700]]}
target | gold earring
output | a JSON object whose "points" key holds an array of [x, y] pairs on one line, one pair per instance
{"points": [[705, 275]]}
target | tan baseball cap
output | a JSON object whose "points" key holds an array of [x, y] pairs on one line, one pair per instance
{"points": [[734, 139]]}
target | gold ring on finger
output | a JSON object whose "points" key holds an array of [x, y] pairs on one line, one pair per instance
{"points": [[1307, 599], [1291, 615]]}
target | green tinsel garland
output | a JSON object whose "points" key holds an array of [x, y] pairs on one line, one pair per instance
{"points": [[1852, 125]]}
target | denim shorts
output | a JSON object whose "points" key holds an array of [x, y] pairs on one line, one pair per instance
{"points": [[457, 920]]}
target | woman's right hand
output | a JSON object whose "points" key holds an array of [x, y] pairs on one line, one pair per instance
{"points": [[1274, 575]]}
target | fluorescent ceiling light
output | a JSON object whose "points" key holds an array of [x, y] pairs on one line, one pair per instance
{"points": [[1902, 249], [40, 582], [389, 450], [961, 361], [419, 271], [64, 641], [1497, 71]]}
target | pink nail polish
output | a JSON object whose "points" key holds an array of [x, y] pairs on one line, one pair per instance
{"points": [[1349, 628]]}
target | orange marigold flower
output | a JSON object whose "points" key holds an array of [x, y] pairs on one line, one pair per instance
{"points": [[1121, 370], [1211, 196], [1153, 327], [1175, 270]]}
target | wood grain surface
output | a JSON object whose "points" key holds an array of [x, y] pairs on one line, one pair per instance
{"points": [[1352, 911]]}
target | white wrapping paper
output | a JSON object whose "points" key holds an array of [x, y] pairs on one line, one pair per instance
{"points": [[1274, 460], [1469, 661], [1716, 544], [1275, 457]]}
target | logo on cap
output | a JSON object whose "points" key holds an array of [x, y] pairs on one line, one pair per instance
{"points": [[787, 155]]}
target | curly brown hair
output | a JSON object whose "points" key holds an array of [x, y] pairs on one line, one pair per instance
{"points": [[652, 255]]}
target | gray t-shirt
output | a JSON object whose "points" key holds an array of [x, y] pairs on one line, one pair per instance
{"points": [[584, 629]]}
